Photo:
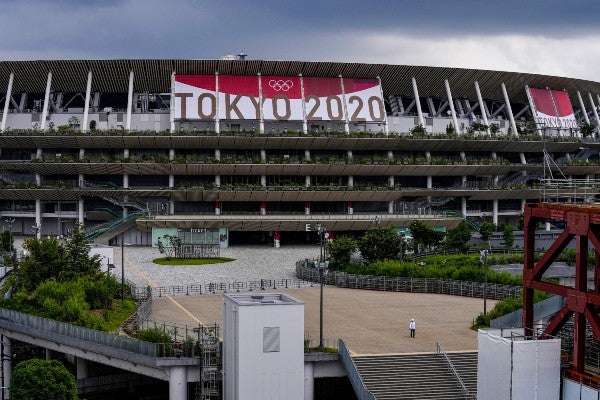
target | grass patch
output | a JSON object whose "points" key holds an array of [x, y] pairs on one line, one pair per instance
{"points": [[191, 261], [114, 317]]}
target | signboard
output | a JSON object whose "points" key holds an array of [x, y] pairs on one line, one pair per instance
{"points": [[279, 98], [552, 109]]}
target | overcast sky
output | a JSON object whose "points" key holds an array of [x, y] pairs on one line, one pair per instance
{"points": [[555, 37]]}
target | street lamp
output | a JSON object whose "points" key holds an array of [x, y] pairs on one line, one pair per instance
{"points": [[123, 269], [323, 270], [483, 254]]}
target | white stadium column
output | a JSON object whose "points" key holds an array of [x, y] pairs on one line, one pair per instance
{"points": [[345, 107], [309, 381], [595, 111], [483, 108], [171, 176], [172, 104], [350, 181], [304, 121], [80, 211], [540, 127], [126, 176], [513, 125], [583, 110], [451, 103], [38, 176], [218, 177], [386, 128], [86, 106], [261, 125], [307, 155], [463, 206], [495, 211], [307, 180], [129, 102], [81, 176], [217, 120], [178, 383], [46, 101], [418, 102], [7, 101], [38, 218], [349, 155]]}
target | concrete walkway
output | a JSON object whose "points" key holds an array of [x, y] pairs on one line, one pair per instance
{"points": [[371, 322]]}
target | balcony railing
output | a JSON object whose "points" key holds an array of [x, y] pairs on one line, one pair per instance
{"points": [[293, 133]]}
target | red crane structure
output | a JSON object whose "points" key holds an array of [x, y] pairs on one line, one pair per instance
{"points": [[582, 223]]}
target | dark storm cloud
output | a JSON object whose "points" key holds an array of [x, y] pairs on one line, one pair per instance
{"points": [[528, 34], [549, 17]]}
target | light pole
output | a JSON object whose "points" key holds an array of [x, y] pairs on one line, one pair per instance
{"points": [[323, 270], [483, 254]]}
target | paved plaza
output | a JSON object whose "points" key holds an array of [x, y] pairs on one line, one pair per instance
{"points": [[371, 322]]}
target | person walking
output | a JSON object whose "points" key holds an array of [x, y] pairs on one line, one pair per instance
{"points": [[412, 326]]}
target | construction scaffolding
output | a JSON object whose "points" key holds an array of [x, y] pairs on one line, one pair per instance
{"points": [[555, 187], [208, 386]]}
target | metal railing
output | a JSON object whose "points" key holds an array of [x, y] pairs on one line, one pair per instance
{"points": [[359, 387], [542, 309], [226, 287], [111, 225], [71, 334], [329, 346], [412, 285], [440, 351]]}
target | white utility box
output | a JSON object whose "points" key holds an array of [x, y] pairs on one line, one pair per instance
{"points": [[263, 347], [511, 365]]}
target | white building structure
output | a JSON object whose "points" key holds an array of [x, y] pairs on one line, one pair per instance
{"points": [[263, 352]]}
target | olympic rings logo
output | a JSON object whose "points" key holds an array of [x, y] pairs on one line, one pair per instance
{"points": [[280, 85]]}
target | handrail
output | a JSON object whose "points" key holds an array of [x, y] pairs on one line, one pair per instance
{"points": [[440, 351], [55, 330], [106, 228], [407, 284], [359, 387]]}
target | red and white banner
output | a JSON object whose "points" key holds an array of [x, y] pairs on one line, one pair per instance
{"points": [[235, 97], [552, 109]]}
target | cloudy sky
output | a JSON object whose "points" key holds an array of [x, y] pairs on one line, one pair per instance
{"points": [[556, 37]]}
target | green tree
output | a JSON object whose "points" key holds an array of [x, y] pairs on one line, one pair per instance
{"points": [[508, 236], [341, 249], [48, 259], [380, 244], [458, 237], [425, 237], [45, 259], [77, 257], [587, 129], [42, 380], [6, 242], [486, 230]]}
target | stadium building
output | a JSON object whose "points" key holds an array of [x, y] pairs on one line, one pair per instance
{"points": [[250, 151]]}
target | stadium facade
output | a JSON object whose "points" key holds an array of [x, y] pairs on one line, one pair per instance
{"points": [[249, 151]]}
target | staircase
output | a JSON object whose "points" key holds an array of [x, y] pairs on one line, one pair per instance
{"points": [[418, 376]]}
